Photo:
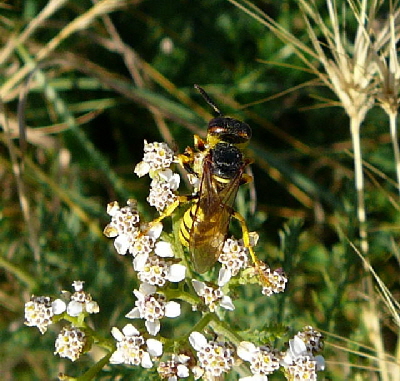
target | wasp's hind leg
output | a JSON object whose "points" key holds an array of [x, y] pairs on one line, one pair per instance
{"points": [[246, 236]]}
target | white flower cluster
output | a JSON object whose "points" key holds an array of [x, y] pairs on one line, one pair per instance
{"points": [[214, 357], [157, 159], [153, 259], [263, 360], [300, 361], [40, 310], [132, 349], [177, 367], [156, 267], [152, 307], [273, 281], [212, 296], [80, 301], [70, 343], [233, 258]]}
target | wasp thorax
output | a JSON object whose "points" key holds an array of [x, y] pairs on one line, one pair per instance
{"points": [[226, 160], [229, 130]]}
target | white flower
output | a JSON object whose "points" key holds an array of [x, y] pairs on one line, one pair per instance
{"points": [[59, 306], [161, 196], [81, 301], [74, 308], [39, 312], [131, 348], [122, 243], [299, 360], [78, 285], [197, 340], [224, 276], [273, 282], [152, 307], [154, 230], [233, 258], [164, 249], [174, 368], [312, 338], [176, 273], [213, 297], [263, 360], [154, 347], [124, 225], [214, 357], [170, 178], [297, 349], [70, 343], [156, 270], [158, 156], [142, 169]]}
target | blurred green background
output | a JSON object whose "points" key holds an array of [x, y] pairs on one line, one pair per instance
{"points": [[96, 79]]}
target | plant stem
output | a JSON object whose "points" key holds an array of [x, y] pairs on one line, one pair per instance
{"points": [[355, 123], [394, 137]]}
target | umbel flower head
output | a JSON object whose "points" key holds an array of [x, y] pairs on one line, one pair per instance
{"points": [[214, 357], [212, 296], [157, 159], [133, 349], [299, 360], [81, 301], [152, 307], [263, 360], [177, 367], [124, 225], [40, 310], [70, 343]]}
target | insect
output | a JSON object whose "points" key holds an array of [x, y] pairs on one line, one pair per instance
{"points": [[219, 165]]}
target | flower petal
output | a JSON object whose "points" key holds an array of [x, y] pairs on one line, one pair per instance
{"points": [[121, 244], [154, 347], [172, 309], [153, 327], [197, 340], [58, 306], [177, 273], [246, 350], [130, 330], [164, 249], [224, 276], [198, 286]]}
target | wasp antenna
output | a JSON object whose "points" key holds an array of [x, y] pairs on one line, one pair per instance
{"points": [[208, 99]]}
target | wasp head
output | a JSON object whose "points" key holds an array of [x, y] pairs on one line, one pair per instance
{"points": [[228, 130]]}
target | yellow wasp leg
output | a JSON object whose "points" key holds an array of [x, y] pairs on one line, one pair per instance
{"points": [[246, 236], [170, 209]]}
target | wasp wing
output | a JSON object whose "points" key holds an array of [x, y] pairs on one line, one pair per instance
{"points": [[211, 215]]}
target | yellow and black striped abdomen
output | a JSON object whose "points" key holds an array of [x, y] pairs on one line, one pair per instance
{"points": [[190, 218]]}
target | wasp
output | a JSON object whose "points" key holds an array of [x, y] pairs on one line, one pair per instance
{"points": [[216, 167], [219, 165]]}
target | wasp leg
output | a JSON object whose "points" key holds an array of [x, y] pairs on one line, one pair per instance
{"points": [[246, 179], [246, 236], [171, 208]]}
